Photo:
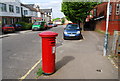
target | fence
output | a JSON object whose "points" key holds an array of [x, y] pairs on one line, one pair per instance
{"points": [[116, 43]]}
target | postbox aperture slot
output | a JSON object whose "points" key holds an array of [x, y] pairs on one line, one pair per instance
{"points": [[52, 42]]}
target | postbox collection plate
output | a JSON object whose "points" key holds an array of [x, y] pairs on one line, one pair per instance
{"points": [[53, 49]]}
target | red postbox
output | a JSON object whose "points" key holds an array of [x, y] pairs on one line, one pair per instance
{"points": [[48, 51]]}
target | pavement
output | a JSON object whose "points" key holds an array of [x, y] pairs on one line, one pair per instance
{"points": [[75, 59], [9, 34], [81, 59]]}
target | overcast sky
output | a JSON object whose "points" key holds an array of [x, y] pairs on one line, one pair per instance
{"points": [[47, 4]]}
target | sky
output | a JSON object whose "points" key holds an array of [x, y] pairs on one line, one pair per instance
{"points": [[47, 4]]}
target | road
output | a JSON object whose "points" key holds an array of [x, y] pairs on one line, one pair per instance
{"points": [[21, 51], [76, 59]]}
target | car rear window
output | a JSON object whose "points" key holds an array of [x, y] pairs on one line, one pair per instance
{"points": [[8, 25], [18, 25], [50, 23], [37, 23]]}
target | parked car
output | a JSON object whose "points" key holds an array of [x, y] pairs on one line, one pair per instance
{"points": [[8, 28], [72, 31], [50, 25], [18, 27], [54, 25], [38, 25]]}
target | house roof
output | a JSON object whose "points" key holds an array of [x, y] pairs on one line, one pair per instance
{"points": [[46, 10], [30, 7]]}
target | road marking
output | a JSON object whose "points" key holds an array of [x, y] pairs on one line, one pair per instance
{"points": [[83, 38], [23, 77]]}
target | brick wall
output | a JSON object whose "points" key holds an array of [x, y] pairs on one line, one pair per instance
{"points": [[102, 10], [113, 25]]}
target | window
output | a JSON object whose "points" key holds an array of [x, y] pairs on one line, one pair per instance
{"points": [[37, 23], [25, 12], [17, 9], [95, 12], [4, 21], [11, 20], [117, 9], [11, 8], [18, 20], [110, 9], [3, 7], [49, 13]]}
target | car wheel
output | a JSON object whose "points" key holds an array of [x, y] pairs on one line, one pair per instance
{"points": [[35, 29], [4, 32], [64, 38]]}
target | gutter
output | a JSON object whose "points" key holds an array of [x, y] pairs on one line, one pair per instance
{"points": [[99, 18]]}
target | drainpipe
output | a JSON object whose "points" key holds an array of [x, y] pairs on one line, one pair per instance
{"points": [[106, 33]]}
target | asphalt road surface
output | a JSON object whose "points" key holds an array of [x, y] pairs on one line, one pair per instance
{"points": [[20, 51], [76, 59]]}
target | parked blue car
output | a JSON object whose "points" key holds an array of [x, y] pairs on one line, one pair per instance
{"points": [[72, 31]]}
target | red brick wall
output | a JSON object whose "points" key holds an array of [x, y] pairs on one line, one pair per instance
{"points": [[102, 10], [113, 25]]}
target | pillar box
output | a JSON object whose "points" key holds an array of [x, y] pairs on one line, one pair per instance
{"points": [[48, 51]]}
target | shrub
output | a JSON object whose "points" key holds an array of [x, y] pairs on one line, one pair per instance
{"points": [[26, 26]]}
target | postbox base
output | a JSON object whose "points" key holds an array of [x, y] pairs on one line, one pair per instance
{"points": [[48, 73]]}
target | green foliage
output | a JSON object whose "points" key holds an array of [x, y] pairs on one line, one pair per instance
{"points": [[55, 19], [40, 72], [77, 11], [26, 26], [63, 20]]}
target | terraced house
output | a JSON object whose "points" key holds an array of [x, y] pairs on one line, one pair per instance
{"points": [[10, 12], [28, 12], [15, 11]]}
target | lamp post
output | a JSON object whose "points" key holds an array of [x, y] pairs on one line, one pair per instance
{"points": [[106, 33]]}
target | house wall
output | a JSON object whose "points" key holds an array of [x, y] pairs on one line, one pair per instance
{"points": [[17, 3], [101, 25], [39, 14], [113, 25], [30, 13], [114, 20], [102, 10], [10, 15]]}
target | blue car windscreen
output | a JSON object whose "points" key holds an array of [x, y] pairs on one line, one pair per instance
{"points": [[72, 27]]}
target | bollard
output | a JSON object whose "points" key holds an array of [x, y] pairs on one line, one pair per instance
{"points": [[48, 51]]}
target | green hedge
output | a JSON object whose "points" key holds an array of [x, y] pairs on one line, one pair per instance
{"points": [[26, 26]]}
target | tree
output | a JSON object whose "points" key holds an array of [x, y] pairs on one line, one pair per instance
{"points": [[63, 20], [77, 11]]}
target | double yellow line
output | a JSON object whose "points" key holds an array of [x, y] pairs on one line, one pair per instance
{"points": [[23, 77]]}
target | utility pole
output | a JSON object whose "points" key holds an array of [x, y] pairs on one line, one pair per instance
{"points": [[106, 33]]}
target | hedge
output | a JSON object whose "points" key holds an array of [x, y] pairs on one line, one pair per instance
{"points": [[26, 26]]}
